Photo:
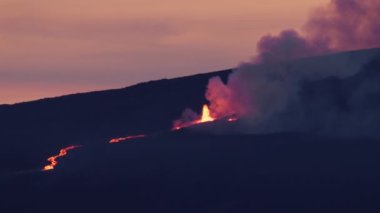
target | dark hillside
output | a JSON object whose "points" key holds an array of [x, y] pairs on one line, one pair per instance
{"points": [[191, 170], [46, 125]]}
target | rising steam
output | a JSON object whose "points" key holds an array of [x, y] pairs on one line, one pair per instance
{"points": [[341, 25], [272, 94]]}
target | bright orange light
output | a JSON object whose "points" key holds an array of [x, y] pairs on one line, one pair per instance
{"points": [[204, 118], [53, 159], [118, 140]]}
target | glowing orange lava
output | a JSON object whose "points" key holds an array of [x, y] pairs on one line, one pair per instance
{"points": [[118, 140], [205, 117], [53, 159]]}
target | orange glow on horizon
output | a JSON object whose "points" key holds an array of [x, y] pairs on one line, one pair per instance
{"points": [[219, 34]]}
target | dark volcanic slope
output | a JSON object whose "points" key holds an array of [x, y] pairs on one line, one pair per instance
{"points": [[186, 171], [34, 130], [183, 172]]}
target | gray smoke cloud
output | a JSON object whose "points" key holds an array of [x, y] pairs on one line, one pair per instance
{"points": [[335, 94], [341, 25], [346, 24], [288, 87], [289, 44]]}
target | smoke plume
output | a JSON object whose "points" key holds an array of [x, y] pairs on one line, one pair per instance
{"points": [[289, 44], [341, 25], [326, 94]]}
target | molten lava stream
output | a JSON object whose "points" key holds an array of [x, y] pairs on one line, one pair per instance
{"points": [[118, 140], [205, 118], [53, 159]]}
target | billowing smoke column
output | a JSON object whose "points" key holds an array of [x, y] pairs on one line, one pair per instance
{"points": [[226, 101], [289, 44], [272, 94], [346, 24], [341, 25]]}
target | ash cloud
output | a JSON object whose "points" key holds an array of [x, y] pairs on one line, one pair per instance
{"points": [[336, 94], [289, 44], [346, 24], [341, 25], [226, 100]]}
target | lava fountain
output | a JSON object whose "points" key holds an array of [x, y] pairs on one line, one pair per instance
{"points": [[206, 115], [204, 118], [53, 159]]}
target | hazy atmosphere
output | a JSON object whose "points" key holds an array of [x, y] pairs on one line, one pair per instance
{"points": [[51, 48], [190, 106]]}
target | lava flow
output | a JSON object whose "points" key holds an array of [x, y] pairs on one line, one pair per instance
{"points": [[53, 159], [204, 118], [118, 140]]}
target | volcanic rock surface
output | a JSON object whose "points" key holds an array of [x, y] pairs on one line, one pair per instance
{"points": [[186, 170]]}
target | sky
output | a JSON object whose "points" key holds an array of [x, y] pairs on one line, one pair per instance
{"points": [[50, 48]]}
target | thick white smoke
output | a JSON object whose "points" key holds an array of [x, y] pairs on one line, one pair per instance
{"points": [[272, 94], [339, 26], [287, 96]]}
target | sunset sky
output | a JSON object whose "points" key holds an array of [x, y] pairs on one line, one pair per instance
{"points": [[50, 48]]}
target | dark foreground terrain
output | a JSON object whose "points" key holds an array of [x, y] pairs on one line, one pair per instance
{"points": [[187, 170]]}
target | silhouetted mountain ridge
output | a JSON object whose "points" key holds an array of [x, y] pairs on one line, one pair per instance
{"points": [[192, 171]]}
